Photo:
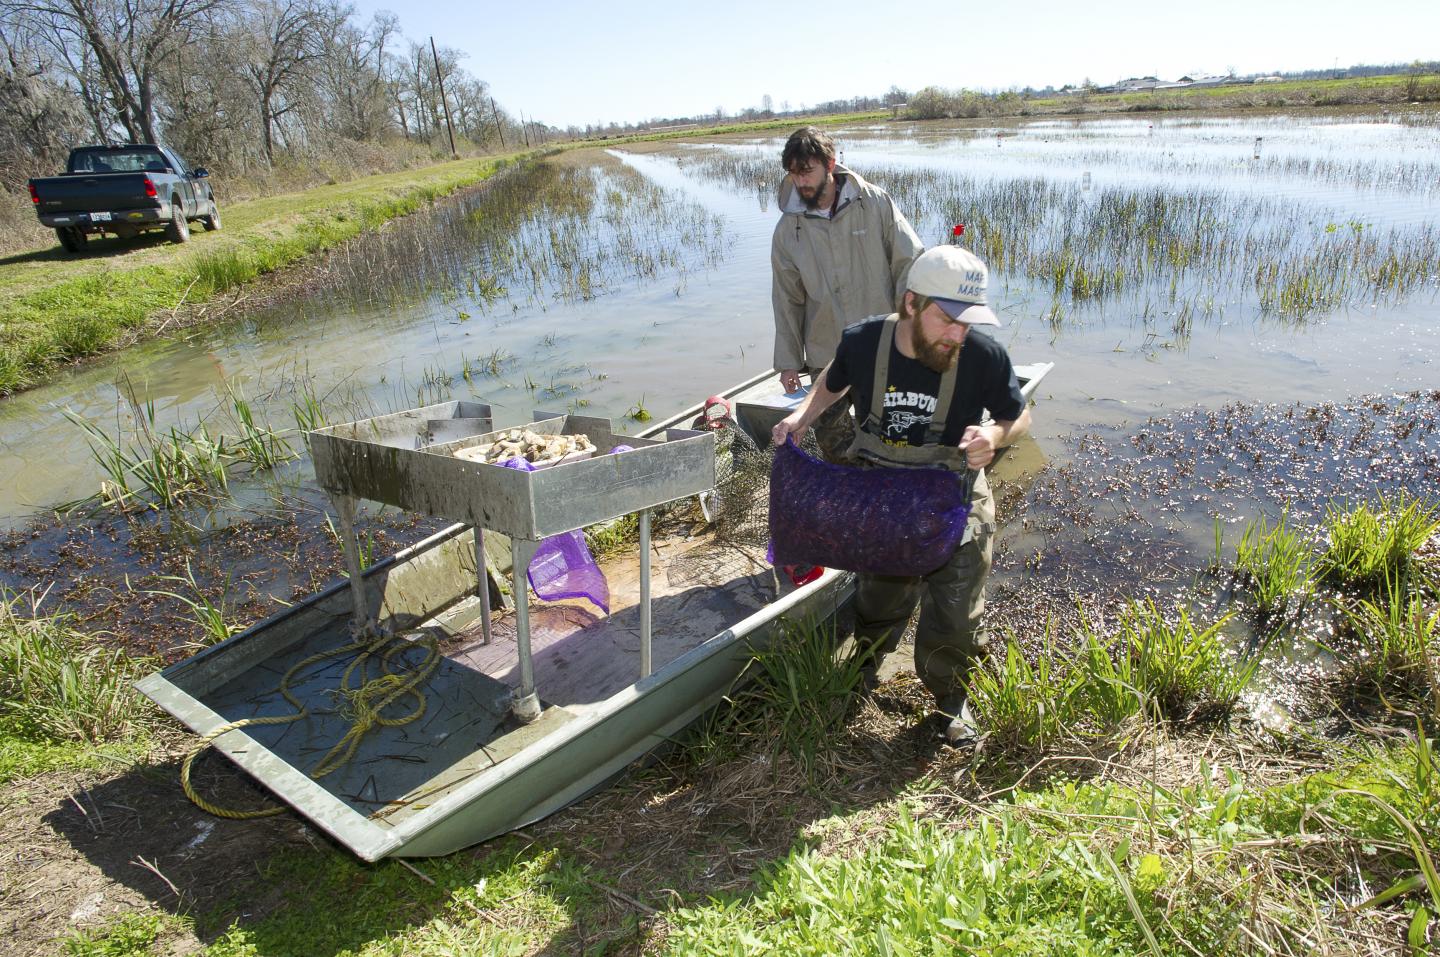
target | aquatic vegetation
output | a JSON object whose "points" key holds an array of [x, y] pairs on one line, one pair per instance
{"points": [[308, 413], [638, 412], [540, 233], [155, 470], [1398, 648], [1161, 666], [166, 470], [1274, 562], [259, 445], [1366, 547], [364, 542], [1147, 664], [213, 617], [1191, 245]]}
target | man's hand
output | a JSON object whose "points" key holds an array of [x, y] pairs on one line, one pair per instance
{"points": [[981, 442], [979, 445], [786, 427], [790, 380]]}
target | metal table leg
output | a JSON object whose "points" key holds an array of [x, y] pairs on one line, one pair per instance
{"points": [[482, 576], [345, 509], [645, 624], [526, 705]]}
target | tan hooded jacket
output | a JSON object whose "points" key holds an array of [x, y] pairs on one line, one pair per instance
{"points": [[832, 272]]}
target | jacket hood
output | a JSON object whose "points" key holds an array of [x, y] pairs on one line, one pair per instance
{"points": [[789, 201]]}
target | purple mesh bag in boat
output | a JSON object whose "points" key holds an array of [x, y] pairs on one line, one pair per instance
{"points": [[880, 521], [563, 566]]}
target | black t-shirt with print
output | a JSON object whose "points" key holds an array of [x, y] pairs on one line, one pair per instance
{"points": [[984, 379]]}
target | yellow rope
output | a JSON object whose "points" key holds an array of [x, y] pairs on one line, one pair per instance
{"points": [[364, 704]]}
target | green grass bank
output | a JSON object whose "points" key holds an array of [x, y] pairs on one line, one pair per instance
{"points": [[58, 308]]}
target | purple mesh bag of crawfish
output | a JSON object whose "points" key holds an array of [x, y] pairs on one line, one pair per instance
{"points": [[880, 521], [563, 566]]}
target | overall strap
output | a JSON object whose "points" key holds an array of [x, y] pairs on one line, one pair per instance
{"points": [[876, 414], [936, 428]]}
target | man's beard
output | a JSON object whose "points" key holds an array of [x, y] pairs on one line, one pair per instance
{"points": [[935, 355], [813, 200]]}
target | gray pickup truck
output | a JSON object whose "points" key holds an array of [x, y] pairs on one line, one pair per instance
{"points": [[124, 190]]}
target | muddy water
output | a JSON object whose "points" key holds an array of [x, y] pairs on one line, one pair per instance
{"points": [[620, 281]]}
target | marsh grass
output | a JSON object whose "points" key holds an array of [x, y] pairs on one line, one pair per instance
{"points": [[308, 412], [1398, 656], [801, 686], [1274, 563], [58, 684], [1369, 546], [1191, 247], [168, 469], [259, 445], [1024, 704], [1162, 666], [542, 233], [212, 617], [155, 470], [1148, 665]]}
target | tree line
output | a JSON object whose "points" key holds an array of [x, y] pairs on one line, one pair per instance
{"points": [[235, 85]]}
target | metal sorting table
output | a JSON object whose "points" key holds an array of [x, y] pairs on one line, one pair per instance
{"points": [[407, 460]]}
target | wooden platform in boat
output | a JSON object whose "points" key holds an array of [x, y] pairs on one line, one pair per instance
{"points": [[699, 587]]}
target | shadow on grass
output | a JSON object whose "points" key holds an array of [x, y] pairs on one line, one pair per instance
{"points": [[106, 248]]}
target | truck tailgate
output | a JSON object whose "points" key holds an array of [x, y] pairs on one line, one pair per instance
{"points": [[92, 192]]}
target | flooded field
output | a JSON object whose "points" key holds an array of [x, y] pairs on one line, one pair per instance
{"points": [[1195, 279]]}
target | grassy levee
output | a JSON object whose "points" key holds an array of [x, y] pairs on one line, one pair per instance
{"points": [[57, 308], [1396, 88], [691, 132]]}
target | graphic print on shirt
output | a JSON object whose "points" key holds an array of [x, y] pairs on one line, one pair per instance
{"points": [[907, 412]]}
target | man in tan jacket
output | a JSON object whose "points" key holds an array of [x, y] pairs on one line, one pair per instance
{"points": [[839, 255]]}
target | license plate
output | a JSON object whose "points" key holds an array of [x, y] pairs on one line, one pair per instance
{"points": [[99, 217]]}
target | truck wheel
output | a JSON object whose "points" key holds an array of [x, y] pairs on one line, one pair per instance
{"points": [[72, 240], [211, 220], [178, 230]]}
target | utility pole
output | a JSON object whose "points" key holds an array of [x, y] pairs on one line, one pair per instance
{"points": [[498, 127], [449, 127]]}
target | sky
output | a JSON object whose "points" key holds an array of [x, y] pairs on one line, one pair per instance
{"points": [[566, 63]]}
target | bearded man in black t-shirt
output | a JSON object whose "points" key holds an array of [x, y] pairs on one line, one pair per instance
{"points": [[921, 381]]}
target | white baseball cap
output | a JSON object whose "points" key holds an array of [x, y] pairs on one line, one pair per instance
{"points": [[955, 279]]}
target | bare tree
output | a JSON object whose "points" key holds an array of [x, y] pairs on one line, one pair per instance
{"points": [[132, 42], [284, 38], [355, 75], [42, 117]]}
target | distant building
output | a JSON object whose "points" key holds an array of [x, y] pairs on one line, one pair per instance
{"points": [[1267, 79], [1136, 83]]}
